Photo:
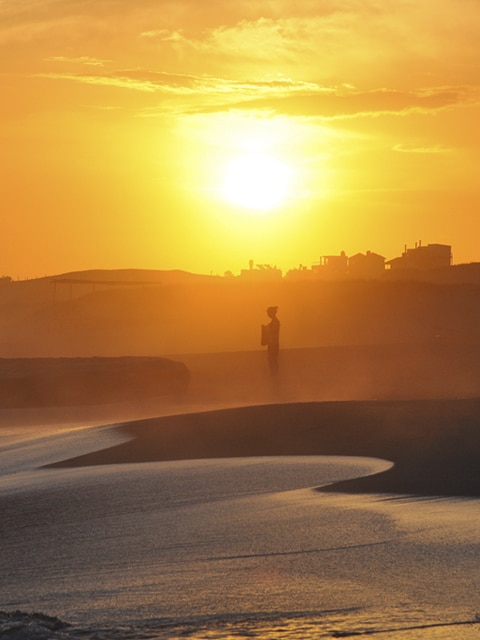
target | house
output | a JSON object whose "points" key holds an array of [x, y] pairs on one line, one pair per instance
{"points": [[332, 267], [423, 257], [366, 266]]}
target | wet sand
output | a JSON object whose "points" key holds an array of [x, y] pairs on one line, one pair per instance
{"points": [[416, 406], [434, 444]]}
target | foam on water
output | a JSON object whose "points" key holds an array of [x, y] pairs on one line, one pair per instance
{"points": [[18, 625]]}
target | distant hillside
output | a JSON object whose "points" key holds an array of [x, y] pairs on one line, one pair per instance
{"points": [[94, 314], [135, 276]]}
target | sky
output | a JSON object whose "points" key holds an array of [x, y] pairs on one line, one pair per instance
{"points": [[189, 135]]}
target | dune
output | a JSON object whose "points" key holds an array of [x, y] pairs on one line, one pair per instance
{"points": [[434, 444]]}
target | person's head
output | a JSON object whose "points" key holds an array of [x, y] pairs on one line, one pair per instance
{"points": [[272, 312]]}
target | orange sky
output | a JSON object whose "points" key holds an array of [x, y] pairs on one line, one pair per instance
{"points": [[119, 120]]}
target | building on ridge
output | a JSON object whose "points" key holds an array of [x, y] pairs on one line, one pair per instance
{"points": [[366, 266], [260, 273], [422, 258], [332, 267]]}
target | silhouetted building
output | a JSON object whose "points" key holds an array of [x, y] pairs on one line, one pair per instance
{"points": [[300, 274], [423, 257], [260, 273], [332, 267], [366, 266]]}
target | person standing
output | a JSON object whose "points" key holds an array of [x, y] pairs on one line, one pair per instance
{"points": [[271, 339]]}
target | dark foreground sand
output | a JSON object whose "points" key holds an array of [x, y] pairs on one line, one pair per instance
{"points": [[434, 444]]}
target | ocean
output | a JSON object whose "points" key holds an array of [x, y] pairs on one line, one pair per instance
{"points": [[223, 549]]}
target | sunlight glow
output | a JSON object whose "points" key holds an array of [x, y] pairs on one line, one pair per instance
{"points": [[257, 181]]}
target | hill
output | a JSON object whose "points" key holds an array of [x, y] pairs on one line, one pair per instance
{"points": [[136, 312]]}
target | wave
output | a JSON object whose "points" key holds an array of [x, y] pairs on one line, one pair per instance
{"points": [[18, 625], [343, 623]]}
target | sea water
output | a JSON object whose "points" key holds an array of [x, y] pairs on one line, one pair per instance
{"points": [[229, 548]]}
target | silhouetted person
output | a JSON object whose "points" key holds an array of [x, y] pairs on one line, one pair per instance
{"points": [[271, 339]]}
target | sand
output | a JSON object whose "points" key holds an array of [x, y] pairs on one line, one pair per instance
{"points": [[415, 406], [237, 511], [434, 444]]}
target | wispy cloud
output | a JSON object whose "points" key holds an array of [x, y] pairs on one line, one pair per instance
{"points": [[346, 41], [338, 59], [263, 39], [106, 81], [276, 95], [427, 149], [226, 90], [400, 43], [351, 103], [83, 60]]}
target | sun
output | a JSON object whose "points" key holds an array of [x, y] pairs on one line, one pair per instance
{"points": [[258, 182]]}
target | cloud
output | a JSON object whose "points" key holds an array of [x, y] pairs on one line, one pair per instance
{"points": [[276, 94], [298, 58], [400, 42], [263, 39], [106, 81], [83, 60], [202, 86], [431, 149], [350, 103], [138, 80]]}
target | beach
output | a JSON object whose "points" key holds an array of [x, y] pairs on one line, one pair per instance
{"points": [[207, 517], [239, 320]]}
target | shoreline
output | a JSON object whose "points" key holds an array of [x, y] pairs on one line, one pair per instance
{"points": [[434, 444]]}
